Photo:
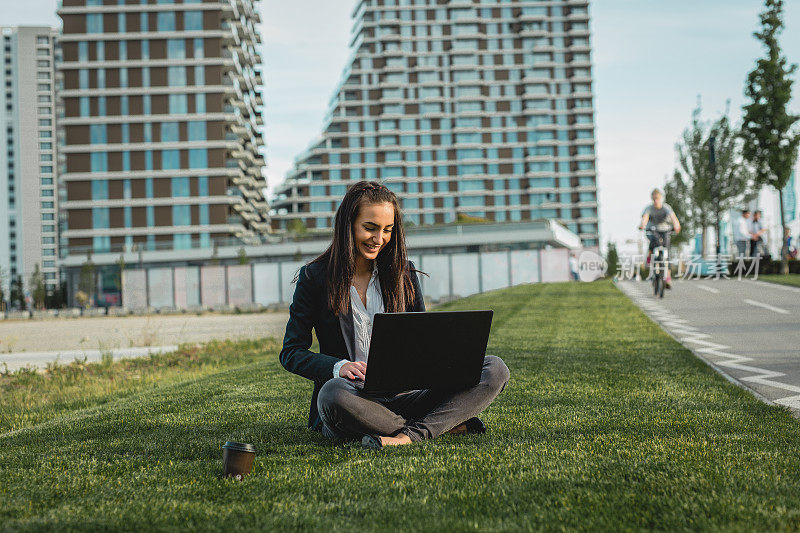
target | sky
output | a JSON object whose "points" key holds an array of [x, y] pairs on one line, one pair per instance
{"points": [[653, 60]]}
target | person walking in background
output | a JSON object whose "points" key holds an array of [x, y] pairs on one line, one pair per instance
{"points": [[573, 266], [756, 231], [741, 232], [790, 244]]}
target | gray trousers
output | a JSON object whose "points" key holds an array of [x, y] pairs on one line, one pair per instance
{"points": [[348, 412], [741, 247]]}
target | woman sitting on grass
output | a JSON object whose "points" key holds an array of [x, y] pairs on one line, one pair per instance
{"points": [[365, 271]]}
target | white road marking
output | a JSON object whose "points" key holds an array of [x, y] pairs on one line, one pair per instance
{"points": [[709, 289], [677, 327], [767, 306], [772, 285]]}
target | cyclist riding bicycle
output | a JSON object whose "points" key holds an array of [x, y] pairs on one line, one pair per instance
{"points": [[659, 219]]}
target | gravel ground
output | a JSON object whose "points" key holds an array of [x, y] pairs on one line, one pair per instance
{"points": [[108, 333]]}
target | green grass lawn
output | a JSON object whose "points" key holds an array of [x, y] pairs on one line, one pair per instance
{"points": [[29, 397], [607, 423], [787, 279]]}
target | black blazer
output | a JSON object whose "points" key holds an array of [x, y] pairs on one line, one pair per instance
{"points": [[335, 334]]}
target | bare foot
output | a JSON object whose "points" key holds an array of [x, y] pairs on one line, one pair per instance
{"points": [[400, 439]]}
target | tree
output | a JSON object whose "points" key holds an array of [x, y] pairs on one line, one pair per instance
{"points": [[38, 290], [675, 194], [56, 298], [214, 254], [87, 282], [612, 258], [17, 298], [243, 259], [118, 276], [768, 129], [297, 227], [2, 290], [693, 189]]}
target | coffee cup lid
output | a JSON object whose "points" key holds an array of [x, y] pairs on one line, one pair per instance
{"points": [[240, 446]]}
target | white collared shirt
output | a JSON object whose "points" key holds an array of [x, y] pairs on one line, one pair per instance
{"points": [[363, 317], [741, 230]]}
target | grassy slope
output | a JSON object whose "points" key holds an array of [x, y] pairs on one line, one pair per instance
{"points": [[788, 279], [28, 397], [607, 423]]}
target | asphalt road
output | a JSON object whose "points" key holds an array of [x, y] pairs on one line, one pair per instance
{"points": [[748, 330]]}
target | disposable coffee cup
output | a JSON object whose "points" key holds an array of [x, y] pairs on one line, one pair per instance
{"points": [[237, 459]]}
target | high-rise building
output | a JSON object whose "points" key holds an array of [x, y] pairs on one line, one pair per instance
{"points": [[480, 108], [162, 124], [28, 155]]}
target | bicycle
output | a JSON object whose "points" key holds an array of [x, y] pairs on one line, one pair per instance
{"points": [[659, 260]]}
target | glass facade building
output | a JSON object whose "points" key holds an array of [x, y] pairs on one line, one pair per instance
{"points": [[163, 125], [478, 108]]}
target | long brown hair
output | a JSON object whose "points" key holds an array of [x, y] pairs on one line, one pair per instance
{"points": [[340, 257]]}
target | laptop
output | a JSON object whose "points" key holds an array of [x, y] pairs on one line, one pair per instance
{"points": [[434, 350]]}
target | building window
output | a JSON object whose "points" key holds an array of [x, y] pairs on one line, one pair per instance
{"points": [[198, 158], [94, 23], [196, 130], [165, 21], [181, 215], [99, 162], [100, 217], [100, 190], [199, 75], [178, 104], [176, 76], [169, 132], [180, 187], [170, 159], [101, 244], [176, 49], [182, 241], [98, 134], [192, 20]]}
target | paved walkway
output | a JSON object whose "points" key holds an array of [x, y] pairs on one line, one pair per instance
{"points": [[748, 330], [37, 342]]}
